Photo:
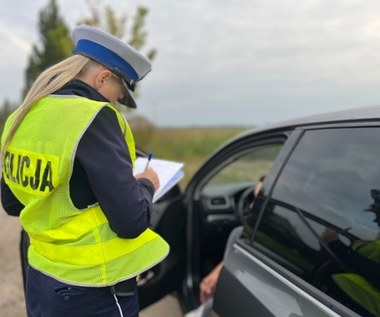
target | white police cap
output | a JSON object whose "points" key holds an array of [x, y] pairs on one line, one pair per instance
{"points": [[121, 58]]}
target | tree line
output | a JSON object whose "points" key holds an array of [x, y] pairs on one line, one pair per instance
{"points": [[55, 42]]}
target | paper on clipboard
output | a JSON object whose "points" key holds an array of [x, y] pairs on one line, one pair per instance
{"points": [[169, 173]]}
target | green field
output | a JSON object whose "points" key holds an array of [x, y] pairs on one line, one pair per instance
{"points": [[189, 145]]}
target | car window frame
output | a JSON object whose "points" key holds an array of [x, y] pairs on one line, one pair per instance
{"points": [[291, 143], [193, 191]]}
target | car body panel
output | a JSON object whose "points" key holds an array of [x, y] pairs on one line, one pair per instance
{"points": [[258, 290]]}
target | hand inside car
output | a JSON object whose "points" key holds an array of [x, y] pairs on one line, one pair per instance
{"points": [[329, 235], [208, 284]]}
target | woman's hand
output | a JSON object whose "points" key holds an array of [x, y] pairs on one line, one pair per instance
{"points": [[150, 174]]}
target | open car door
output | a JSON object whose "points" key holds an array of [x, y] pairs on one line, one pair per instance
{"points": [[217, 198], [168, 220]]}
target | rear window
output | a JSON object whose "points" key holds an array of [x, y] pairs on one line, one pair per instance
{"points": [[332, 175], [322, 219]]}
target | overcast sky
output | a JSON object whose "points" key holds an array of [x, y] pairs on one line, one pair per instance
{"points": [[231, 62]]}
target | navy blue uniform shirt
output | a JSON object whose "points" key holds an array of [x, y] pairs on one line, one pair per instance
{"points": [[102, 173]]}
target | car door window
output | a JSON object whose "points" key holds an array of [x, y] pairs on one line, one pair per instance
{"points": [[244, 170], [223, 192], [322, 219]]}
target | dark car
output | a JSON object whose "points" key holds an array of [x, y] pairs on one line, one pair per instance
{"points": [[310, 244]]}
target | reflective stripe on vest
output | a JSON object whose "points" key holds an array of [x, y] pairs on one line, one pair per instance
{"points": [[71, 245], [356, 286], [360, 290]]}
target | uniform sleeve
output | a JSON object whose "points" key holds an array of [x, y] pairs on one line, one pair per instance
{"points": [[104, 157], [11, 204]]}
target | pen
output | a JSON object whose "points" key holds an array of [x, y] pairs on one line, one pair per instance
{"points": [[149, 159]]}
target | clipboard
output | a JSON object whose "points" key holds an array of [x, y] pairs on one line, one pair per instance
{"points": [[169, 173]]}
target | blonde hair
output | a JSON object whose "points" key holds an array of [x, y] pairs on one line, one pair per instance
{"points": [[50, 80]]}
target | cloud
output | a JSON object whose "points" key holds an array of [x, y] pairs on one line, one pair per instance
{"points": [[230, 60], [14, 42], [301, 57]]}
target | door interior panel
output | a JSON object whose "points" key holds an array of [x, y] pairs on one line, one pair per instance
{"points": [[168, 219]]}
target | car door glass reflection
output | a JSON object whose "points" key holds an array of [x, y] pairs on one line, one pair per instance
{"points": [[322, 218]]}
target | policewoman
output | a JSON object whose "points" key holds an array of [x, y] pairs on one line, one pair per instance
{"points": [[68, 157]]}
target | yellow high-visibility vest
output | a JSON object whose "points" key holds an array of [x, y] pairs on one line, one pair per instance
{"points": [[71, 245]]}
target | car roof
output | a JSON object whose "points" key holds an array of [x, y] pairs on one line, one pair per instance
{"points": [[347, 115]]}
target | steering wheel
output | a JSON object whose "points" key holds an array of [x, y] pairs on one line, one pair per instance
{"points": [[244, 204]]}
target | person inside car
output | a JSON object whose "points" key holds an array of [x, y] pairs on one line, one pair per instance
{"points": [[208, 284]]}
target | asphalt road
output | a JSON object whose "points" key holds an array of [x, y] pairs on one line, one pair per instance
{"points": [[166, 307]]}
